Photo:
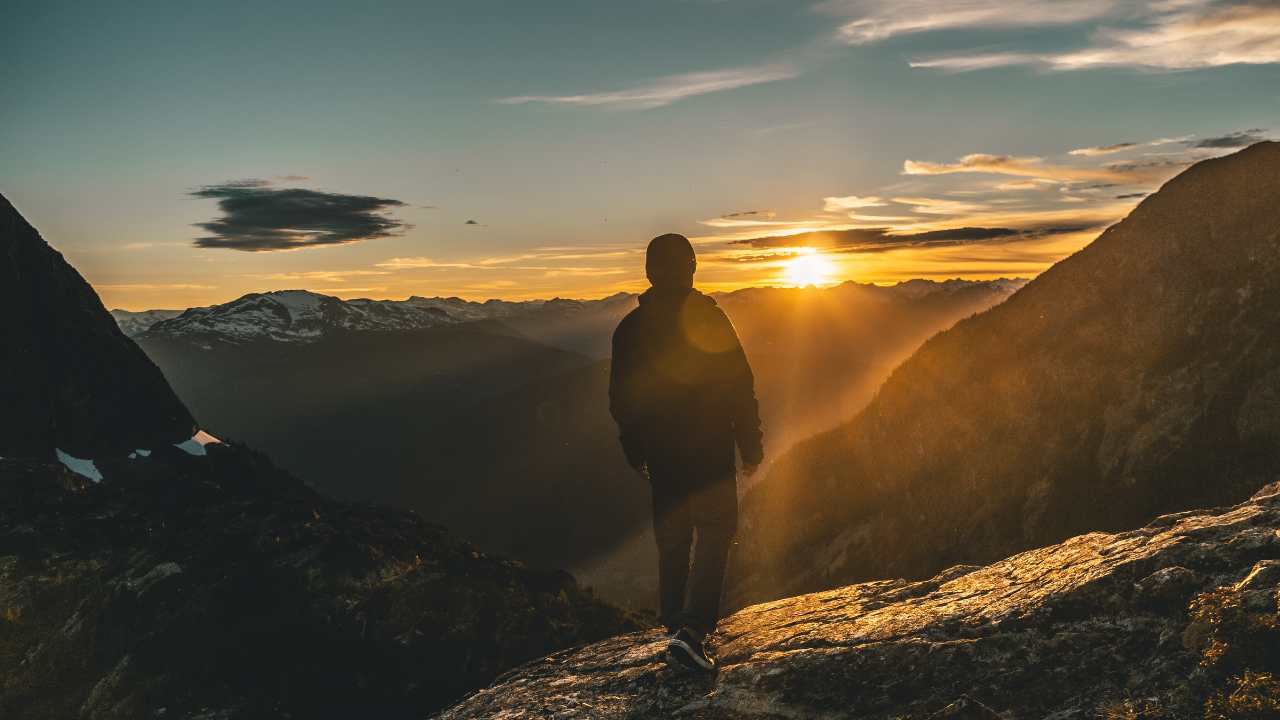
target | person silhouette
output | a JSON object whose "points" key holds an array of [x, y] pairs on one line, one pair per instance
{"points": [[683, 396]]}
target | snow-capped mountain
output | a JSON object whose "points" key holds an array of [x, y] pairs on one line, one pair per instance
{"points": [[296, 316], [136, 323], [305, 316], [918, 288]]}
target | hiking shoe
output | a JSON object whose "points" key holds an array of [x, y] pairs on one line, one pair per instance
{"points": [[685, 649]]}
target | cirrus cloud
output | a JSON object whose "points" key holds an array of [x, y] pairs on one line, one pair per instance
{"points": [[666, 90], [1165, 35], [875, 20]]}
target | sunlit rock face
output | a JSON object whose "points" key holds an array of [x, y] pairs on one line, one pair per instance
{"points": [[1175, 620], [1134, 378], [69, 378]]}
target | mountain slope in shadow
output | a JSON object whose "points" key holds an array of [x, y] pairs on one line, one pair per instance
{"points": [[77, 384], [197, 580], [1136, 377], [484, 427]]}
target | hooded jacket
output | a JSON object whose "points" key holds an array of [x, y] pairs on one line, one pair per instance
{"points": [[680, 387]]}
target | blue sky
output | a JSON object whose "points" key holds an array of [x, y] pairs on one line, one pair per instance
{"points": [[522, 149]]}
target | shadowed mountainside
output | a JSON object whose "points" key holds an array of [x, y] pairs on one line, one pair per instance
{"points": [[1136, 377], [199, 581], [77, 384], [505, 439], [1178, 619], [221, 587]]}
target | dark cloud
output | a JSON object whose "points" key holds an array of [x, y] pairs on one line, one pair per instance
{"points": [[257, 217], [877, 239], [471, 222], [1130, 196], [1231, 140], [1147, 167], [748, 213]]}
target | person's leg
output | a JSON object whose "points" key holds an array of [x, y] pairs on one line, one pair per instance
{"points": [[673, 530], [715, 515]]}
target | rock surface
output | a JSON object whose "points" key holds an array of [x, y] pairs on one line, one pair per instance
{"points": [[1175, 620], [71, 380], [1135, 378]]}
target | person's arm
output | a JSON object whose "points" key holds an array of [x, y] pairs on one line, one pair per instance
{"points": [[743, 407], [623, 402]]}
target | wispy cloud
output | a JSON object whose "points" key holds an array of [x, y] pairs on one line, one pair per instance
{"points": [[259, 218], [1035, 167], [332, 276], [850, 202], [1155, 35], [1032, 184], [861, 240], [1103, 149], [767, 214], [939, 206], [666, 90], [153, 286], [1239, 139], [420, 263], [875, 20], [1099, 150]]}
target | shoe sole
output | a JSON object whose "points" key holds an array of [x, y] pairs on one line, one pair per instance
{"points": [[681, 654]]}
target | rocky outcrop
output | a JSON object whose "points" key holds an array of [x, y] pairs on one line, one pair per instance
{"points": [[220, 587], [1175, 620], [1134, 378], [71, 380]]}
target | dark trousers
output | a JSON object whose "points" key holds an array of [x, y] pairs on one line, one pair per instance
{"points": [[682, 508]]}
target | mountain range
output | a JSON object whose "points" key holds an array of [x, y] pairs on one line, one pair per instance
{"points": [[493, 417]]}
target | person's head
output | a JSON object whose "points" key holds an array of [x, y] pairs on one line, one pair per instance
{"points": [[669, 261]]}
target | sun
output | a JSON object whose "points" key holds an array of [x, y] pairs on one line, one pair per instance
{"points": [[807, 268]]}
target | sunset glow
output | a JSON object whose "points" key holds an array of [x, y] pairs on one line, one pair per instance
{"points": [[908, 145], [808, 268]]}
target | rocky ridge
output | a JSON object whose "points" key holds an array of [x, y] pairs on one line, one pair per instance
{"points": [[1177, 619]]}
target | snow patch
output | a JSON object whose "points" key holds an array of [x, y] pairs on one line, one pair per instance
{"points": [[195, 446], [79, 465]]}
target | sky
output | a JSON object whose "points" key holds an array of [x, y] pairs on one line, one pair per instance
{"points": [[183, 154]]}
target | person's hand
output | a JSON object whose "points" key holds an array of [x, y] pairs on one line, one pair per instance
{"points": [[643, 470], [749, 470]]}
